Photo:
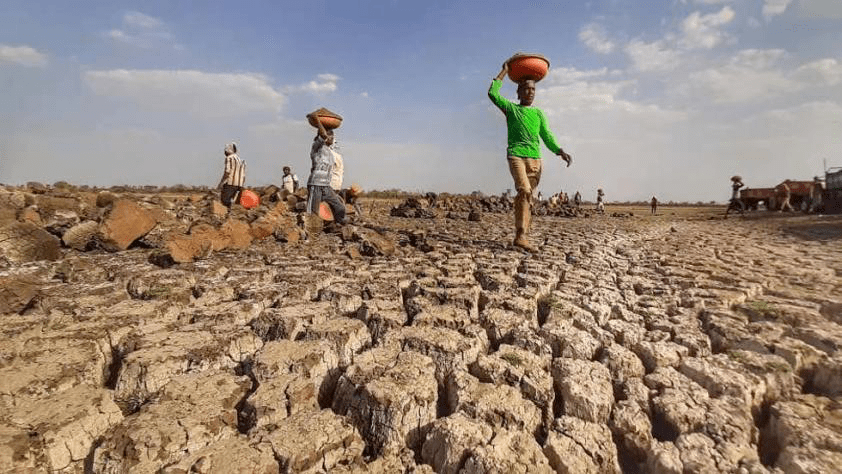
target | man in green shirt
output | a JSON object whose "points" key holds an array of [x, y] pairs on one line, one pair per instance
{"points": [[525, 124]]}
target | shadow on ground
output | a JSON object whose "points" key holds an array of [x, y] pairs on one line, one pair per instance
{"points": [[823, 229]]}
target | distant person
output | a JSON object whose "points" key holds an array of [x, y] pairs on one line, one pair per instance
{"points": [[233, 177], [338, 171], [352, 196], [289, 181], [735, 203], [321, 168], [787, 195], [525, 125], [654, 204], [816, 192], [600, 206], [577, 199]]}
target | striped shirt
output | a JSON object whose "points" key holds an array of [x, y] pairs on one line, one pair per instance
{"points": [[235, 171]]}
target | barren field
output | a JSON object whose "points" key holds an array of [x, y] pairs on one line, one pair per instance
{"points": [[163, 334]]}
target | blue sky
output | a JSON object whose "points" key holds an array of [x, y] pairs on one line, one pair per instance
{"points": [[662, 97]]}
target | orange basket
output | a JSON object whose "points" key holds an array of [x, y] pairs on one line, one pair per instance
{"points": [[249, 199], [324, 212]]}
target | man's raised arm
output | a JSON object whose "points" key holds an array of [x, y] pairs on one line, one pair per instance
{"points": [[494, 90]]}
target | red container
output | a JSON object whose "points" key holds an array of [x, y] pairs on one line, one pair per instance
{"points": [[328, 119], [249, 199], [523, 66], [324, 212]]}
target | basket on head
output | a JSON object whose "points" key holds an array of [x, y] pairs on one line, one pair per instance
{"points": [[249, 199], [528, 66], [329, 120], [324, 212], [736, 178]]}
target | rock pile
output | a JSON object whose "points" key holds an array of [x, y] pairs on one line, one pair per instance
{"points": [[422, 345]]}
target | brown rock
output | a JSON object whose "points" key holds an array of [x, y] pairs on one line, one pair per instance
{"points": [[373, 243], [68, 424], [30, 214], [449, 349], [105, 198], [123, 224], [195, 411], [161, 356], [585, 388], [279, 397], [22, 242], [314, 441], [390, 397], [315, 361], [237, 233], [81, 236], [182, 249], [451, 440], [271, 223], [217, 209], [347, 336], [522, 370], [508, 451], [16, 293], [229, 455], [497, 405], [577, 446]]}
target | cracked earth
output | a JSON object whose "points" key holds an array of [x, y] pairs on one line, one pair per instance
{"points": [[662, 344]]}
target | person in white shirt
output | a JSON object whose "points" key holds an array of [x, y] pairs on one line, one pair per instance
{"points": [[338, 169], [289, 181]]}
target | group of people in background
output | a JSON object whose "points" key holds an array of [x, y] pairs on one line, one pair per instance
{"points": [[323, 185]]}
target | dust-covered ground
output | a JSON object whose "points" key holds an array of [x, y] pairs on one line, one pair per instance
{"points": [[248, 342]]}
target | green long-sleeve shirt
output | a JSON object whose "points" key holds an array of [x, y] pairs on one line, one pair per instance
{"points": [[525, 125]]}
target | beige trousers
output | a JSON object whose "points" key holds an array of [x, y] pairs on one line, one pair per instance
{"points": [[526, 172]]}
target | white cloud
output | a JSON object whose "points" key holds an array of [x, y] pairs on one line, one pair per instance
{"points": [[774, 7], [752, 75], [323, 83], [655, 56], [757, 58], [821, 72], [22, 55], [142, 31], [747, 76], [702, 31], [596, 38], [141, 21], [565, 75], [202, 94]]}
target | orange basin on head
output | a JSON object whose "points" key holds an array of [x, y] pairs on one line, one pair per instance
{"points": [[249, 199], [327, 121], [528, 66]]}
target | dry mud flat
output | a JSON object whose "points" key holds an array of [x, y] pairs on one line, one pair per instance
{"points": [[666, 344]]}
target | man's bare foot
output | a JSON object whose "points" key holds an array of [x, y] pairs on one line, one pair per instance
{"points": [[522, 242]]}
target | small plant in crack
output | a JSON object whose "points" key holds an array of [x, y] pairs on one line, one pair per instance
{"points": [[158, 291], [764, 309], [512, 359]]}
